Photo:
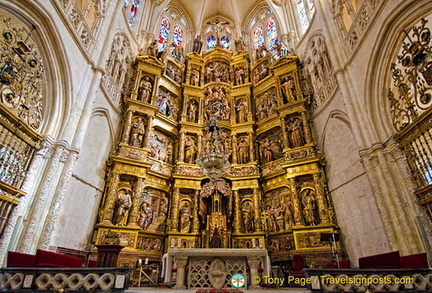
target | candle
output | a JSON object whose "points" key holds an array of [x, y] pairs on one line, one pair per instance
{"points": [[146, 261]]}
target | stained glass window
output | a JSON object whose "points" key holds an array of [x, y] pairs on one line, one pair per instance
{"points": [[272, 37], [163, 33], [225, 42], [133, 12], [178, 35], [304, 21], [311, 5], [258, 37], [211, 42]]}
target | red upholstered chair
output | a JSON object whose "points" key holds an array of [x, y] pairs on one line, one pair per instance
{"points": [[298, 265], [53, 259], [18, 259], [414, 261]]}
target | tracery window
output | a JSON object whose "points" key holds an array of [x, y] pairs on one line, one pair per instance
{"points": [[225, 42], [211, 42], [264, 30], [163, 33], [171, 30], [133, 11], [305, 11]]}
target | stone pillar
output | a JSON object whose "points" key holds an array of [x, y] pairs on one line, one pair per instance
{"points": [[127, 128], [253, 262], [108, 209], [306, 129], [298, 219], [257, 210], [180, 262], [237, 215], [174, 210], [195, 228], [133, 218], [321, 200]]}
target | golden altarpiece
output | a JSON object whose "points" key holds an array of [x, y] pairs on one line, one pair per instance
{"points": [[272, 191]]}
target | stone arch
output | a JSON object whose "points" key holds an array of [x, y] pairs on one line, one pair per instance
{"points": [[58, 100], [386, 45]]}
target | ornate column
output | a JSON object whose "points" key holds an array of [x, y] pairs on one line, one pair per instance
{"points": [[322, 203], [181, 148], [257, 210], [60, 193], [284, 132], [127, 128], [237, 215], [108, 209], [253, 262], [149, 130], [180, 262], [133, 218], [200, 140], [235, 148], [306, 128], [195, 228], [251, 147], [174, 210], [298, 219]]}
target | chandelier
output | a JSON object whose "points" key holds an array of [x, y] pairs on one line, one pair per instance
{"points": [[213, 160]]}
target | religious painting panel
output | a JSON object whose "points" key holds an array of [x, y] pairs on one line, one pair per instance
{"points": [[145, 88], [167, 102], [153, 210], [216, 104], [149, 244], [270, 146], [161, 147], [217, 71], [173, 72], [266, 104], [279, 210]]}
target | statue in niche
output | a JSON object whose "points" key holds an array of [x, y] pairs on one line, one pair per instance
{"points": [[295, 132], [197, 45], [239, 75], [192, 111], [145, 90], [265, 151], [123, 205], [185, 217], [309, 207], [162, 103], [146, 215], [172, 108], [248, 218], [288, 213], [195, 77], [243, 150], [288, 89], [242, 109], [137, 133], [152, 49], [190, 150]]}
